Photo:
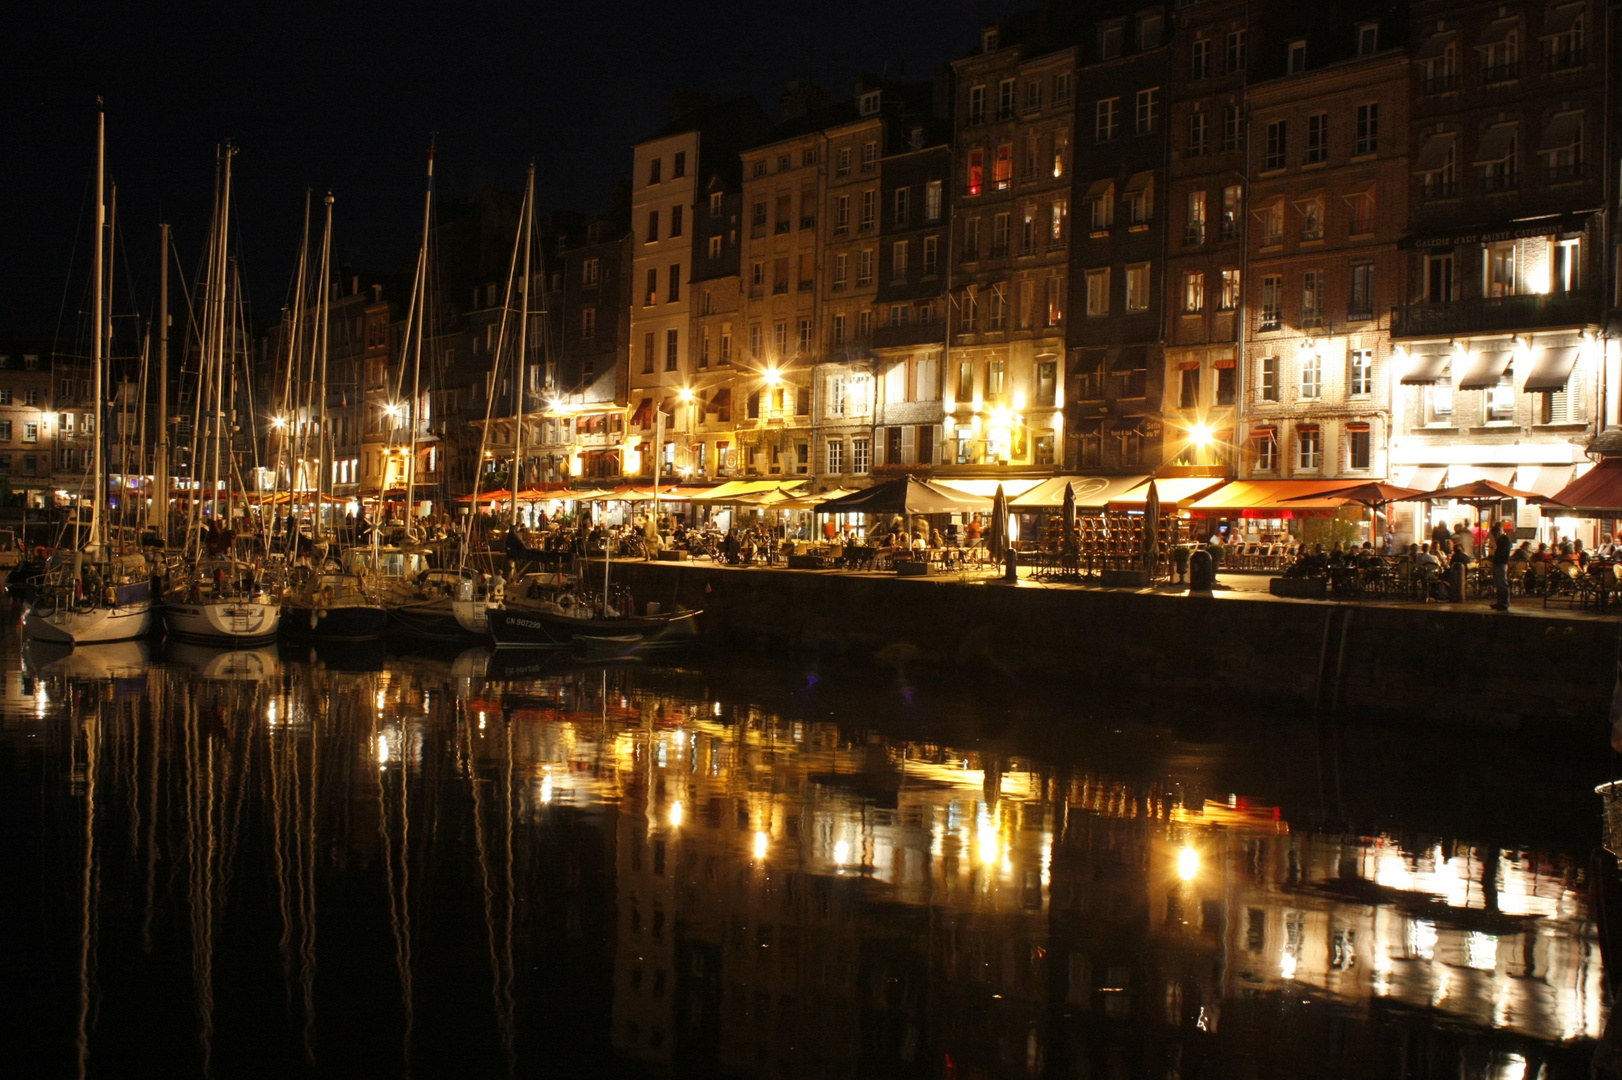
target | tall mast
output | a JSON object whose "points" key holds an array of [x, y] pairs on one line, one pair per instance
{"points": [[527, 223], [324, 329], [96, 320], [158, 509], [419, 301], [293, 430], [222, 262]]}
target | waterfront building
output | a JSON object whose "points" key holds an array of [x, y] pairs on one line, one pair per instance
{"points": [[1328, 199], [664, 187], [882, 280], [704, 425], [29, 425], [783, 184], [909, 338], [1500, 334], [1014, 130], [1206, 189], [1118, 263]]}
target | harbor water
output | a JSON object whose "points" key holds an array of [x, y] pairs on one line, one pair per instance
{"points": [[283, 863]]}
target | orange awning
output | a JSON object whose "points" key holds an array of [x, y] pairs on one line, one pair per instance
{"points": [[1269, 495]]}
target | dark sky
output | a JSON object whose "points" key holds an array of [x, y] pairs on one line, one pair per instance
{"points": [[344, 96]]}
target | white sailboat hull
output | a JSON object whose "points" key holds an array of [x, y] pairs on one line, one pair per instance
{"points": [[225, 620], [73, 626]]}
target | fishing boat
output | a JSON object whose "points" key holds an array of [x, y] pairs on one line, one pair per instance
{"points": [[333, 604], [90, 593], [575, 617]]}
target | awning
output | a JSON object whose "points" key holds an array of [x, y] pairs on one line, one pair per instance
{"points": [[721, 400], [986, 487], [1597, 493], [1092, 492], [1263, 434], [1435, 46], [1268, 495], [1469, 474], [1357, 190], [1546, 480], [1172, 490], [1497, 33], [1563, 132], [1358, 425], [1097, 190], [1552, 370], [905, 495], [644, 413], [1419, 477], [732, 489], [1140, 181], [1131, 358], [1189, 365], [1561, 20], [1223, 363], [1485, 370], [1424, 369], [1435, 153], [1088, 361], [1497, 144]]}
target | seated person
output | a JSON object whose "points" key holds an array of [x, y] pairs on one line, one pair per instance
{"points": [[1426, 559]]}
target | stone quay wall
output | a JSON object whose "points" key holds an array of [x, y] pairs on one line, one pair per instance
{"points": [[1264, 655]]}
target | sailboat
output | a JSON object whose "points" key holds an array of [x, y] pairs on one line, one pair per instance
{"points": [[217, 596], [91, 593], [445, 602], [332, 601]]}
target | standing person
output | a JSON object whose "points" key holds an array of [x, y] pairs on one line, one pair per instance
{"points": [[1461, 536], [1440, 538], [1501, 545], [1390, 546]]}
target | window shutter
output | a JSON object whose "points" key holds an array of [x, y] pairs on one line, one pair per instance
{"points": [[909, 445]]}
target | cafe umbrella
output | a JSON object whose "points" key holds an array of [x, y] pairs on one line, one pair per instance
{"points": [[1069, 521], [997, 535], [1375, 495]]}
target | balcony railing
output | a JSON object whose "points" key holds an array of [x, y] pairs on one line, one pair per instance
{"points": [[1566, 59], [1230, 231], [1311, 233], [1195, 236], [1435, 190], [1493, 183], [1501, 73], [1563, 173], [1495, 314], [1441, 84], [1359, 312], [1270, 320]]}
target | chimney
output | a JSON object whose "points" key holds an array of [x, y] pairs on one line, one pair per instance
{"points": [[354, 285], [377, 294], [800, 99]]}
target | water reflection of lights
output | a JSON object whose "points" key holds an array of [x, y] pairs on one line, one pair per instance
{"points": [[842, 852], [1481, 951], [270, 712], [382, 751], [761, 843], [1188, 863], [1422, 939], [1286, 964], [675, 814], [546, 787]]}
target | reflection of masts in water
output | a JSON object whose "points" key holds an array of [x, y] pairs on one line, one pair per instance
{"points": [[305, 813], [90, 885], [200, 852], [500, 950], [160, 710], [399, 895]]}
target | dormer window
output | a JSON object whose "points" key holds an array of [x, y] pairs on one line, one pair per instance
{"points": [[1368, 39], [868, 103], [1149, 29], [989, 39], [1296, 58], [1109, 41]]}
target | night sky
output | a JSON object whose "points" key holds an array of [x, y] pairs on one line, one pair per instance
{"points": [[343, 96]]}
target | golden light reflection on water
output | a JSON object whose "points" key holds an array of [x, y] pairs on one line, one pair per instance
{"points": [[768, 876]]}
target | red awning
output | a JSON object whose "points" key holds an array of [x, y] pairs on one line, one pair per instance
{"points": [[721, 400], [1596, 493], [644, 413]]}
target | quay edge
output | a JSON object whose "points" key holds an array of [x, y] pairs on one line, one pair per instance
{"points": [[1264, 655]]}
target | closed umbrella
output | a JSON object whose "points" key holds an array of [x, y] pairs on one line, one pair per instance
{"points": [[1151, 529], [1069, 520], [997, 536]]}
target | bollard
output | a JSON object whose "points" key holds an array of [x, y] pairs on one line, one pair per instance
{"points": [[1011, 570], [1201, 572]]}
